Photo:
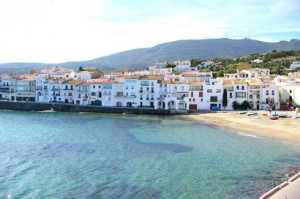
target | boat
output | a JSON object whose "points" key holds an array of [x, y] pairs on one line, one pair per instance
{"points": [[283, 115], [251, 113], [242, 112], [273, 118]]}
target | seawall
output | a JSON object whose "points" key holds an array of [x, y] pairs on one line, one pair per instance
{"points": [[61, 107]]}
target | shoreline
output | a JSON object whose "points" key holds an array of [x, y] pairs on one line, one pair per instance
{"points": [[285, 129], [64, 107]]}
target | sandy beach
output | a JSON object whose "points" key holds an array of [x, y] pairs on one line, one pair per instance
{"points": [[283, 128]]}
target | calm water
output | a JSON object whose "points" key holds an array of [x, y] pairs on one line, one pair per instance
{"points": [[70, 155]]}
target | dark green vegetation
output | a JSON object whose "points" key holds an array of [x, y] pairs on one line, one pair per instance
{"points": [[277, 61], [177, 50], [224, 100], [243, 106]]}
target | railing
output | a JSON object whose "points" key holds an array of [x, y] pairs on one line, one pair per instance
{"points": [[125, 96], [56, 89]]}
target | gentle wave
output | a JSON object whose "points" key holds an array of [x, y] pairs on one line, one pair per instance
{"points": [[248, 135]]}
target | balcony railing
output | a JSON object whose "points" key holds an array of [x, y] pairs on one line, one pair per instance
{"points": [[56, 89]]}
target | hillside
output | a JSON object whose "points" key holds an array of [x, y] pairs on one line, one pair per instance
{"points": [[171, 51]]}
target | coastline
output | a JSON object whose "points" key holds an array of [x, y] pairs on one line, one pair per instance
{"points": [[286, 129], [65, 107]]}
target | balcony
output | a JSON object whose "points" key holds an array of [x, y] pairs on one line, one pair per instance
{"points": [[55, 89], [181, 98], [129, 96], [164, 92]]}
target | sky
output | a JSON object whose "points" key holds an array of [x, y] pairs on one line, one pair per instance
{"points": [[55, 31]]}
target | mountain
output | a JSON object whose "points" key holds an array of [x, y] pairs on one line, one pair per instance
{"points": [[171, 51]]}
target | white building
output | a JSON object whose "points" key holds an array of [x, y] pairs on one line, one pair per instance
{"points": [[213, 95], [196, 95], [7, 88], [270, 92], [295, 65], [290, 94], [25, 90], [182, 65], [172, 95]]}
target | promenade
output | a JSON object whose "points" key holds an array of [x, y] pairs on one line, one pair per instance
{"points": [[287, 190]]}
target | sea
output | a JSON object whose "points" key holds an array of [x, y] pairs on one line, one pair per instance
{"points": [[56, 155]]}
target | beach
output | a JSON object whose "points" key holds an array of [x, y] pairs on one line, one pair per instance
{"points": [[284, 128]]}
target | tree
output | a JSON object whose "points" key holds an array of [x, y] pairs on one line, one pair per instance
{"points": [[225, 100], [220, 74], [245, 105], [80, 69], [170, 65], [271, 103], [235, 105]]}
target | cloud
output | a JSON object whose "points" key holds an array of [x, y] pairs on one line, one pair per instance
{"points": [[64, 30]]}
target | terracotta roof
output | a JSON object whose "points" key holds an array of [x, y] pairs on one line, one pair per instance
{"points": [[190, 75], [74, 81], [239, 82], [228, 83], [85, 84], [132, 77], [254, 83], [196, 83]]}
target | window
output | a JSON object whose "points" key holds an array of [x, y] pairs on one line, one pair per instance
{"points": [[218, 90], [192, 94], [291, 91], [230, 95], [144, 83], [243, 87], [240, 95], [99, 86], [182, 88], [209, 91], [132, 87], [237, 87], [175, 87], [94, 86], [273, 92], [213, 99], [267, 92]]}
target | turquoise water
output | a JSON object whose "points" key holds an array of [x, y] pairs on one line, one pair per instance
{"points": [[70, 155]]}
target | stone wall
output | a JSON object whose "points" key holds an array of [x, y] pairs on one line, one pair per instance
{"points": [[61, 107]]}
